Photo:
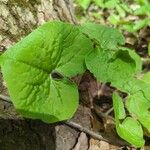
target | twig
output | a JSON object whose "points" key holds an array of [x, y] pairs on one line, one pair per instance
{"points": [[145, 60], [101, 114], [89, 132], [82, 129], [5, 98], [109, 111], [95, 135], [100, 90]]}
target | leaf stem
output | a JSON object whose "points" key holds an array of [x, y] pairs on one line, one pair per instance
{"points": [[145, 60]]}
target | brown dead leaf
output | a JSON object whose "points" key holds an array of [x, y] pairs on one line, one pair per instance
{"points": [[101, 145]]}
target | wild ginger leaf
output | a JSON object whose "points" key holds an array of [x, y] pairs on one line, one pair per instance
{"points": [[146, 77], [114, 67], [97, 62], [118, 107], [27, 68], [108, 61], [141, 101], [108, 38], [130, 129], [121, 67], [135, 56]]}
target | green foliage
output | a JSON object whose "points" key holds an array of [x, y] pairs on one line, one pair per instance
{"points": [[129, 16], [108, 61], [106, 37], [84, 3], [140, 101], [37, 71], [28, 69], [149, 48], [128, 128]]}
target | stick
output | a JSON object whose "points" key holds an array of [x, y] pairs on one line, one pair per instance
{"points": [[82, 129], [109, 111], [89, 132], [95, 135]]}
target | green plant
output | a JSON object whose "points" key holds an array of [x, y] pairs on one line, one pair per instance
{"points": [[129, 16], [37, 71]]}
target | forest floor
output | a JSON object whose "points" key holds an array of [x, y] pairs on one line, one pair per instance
{"points": [[95, 113]]}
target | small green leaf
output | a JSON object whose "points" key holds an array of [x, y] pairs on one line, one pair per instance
{"points": [[143, 10], [126, 7], [118, 107], [122, 68], [108, 38], [84, 3], [142, 2], [99, 3], [141, 101], [111, 3], [140, 24], [114, 19], [29, 65], [128, 27], [131, 131], [121, 12], [135, 57]]}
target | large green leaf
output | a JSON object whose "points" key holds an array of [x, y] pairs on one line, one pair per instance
{"points": [[108, 38], [29, 67], [128, 129], [115, 67], [108, 61]]}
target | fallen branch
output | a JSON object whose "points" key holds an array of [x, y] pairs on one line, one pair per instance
{"points": [[95, 135], [87, 131], [74, 125]]}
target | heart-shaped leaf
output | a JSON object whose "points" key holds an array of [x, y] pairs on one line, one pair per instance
{"points": [[29, 65], [141, 101], [108, 38], [127, 128], [115, 67]]}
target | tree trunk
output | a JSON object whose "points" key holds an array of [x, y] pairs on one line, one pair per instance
{"points": [[17, 19], [20, 17]]}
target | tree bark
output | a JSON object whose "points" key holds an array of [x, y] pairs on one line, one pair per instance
{"points": [[17, 19], [20, 17]]}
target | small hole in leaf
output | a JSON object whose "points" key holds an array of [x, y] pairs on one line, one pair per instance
{"points": [[56, 75]]}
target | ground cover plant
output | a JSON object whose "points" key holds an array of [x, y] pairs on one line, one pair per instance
{"points": [[38, 71], [130, 16]]}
